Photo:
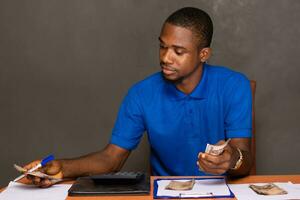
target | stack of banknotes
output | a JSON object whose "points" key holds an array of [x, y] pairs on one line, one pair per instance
{"points": [[37, 174], [216, 149]]}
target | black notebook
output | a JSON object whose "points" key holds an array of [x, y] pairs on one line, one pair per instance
{"points": [[121, 183]]}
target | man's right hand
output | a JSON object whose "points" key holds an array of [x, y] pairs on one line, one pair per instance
{"points": [[110, 159], [53, 169]]}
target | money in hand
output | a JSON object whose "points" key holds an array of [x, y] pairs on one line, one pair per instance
{"points": [[216, 149], [37, 174]]}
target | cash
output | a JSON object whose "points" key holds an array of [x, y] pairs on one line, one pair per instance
{"points": [[180, 185], [37, 174], [216, 149], [268, 189]]}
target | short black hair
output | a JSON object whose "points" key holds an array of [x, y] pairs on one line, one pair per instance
{"points": [[196, 20]]}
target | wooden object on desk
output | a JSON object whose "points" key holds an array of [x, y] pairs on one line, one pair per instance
{"points": [[248, 179], [253, 142]]}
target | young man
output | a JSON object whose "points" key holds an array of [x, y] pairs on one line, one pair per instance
{"points": [[182, 108]]}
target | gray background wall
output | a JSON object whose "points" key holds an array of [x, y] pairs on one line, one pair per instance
{"points": [[66, 65]]}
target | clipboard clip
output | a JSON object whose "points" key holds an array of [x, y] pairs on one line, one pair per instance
{"points": [[194, 195]]}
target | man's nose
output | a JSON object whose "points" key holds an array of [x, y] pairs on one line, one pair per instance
{"points": [[166, 56]]}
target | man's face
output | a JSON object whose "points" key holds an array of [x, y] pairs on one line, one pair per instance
{"points": [[178, 53]]}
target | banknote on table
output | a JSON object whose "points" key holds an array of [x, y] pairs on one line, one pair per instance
{"points": [[216, 149], [37, 174], [268, 189], [180, 185]]}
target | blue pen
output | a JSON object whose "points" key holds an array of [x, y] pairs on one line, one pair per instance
{"points": [[41, 164]]}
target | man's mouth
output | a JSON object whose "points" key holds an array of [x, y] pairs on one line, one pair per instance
{"points": [[168, 70]]}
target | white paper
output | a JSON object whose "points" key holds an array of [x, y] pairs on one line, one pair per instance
{"points": [[16, 191], [243, 192], [202, 188]]}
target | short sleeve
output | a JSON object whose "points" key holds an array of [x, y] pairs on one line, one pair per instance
{"points": [[129, 126], [238, 104]]}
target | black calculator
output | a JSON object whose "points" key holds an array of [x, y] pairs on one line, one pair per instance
{"points": [[124, 183]]}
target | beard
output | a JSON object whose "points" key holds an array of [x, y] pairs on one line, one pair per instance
{"points": [[175, 80], [178, 80], [181, 77]]}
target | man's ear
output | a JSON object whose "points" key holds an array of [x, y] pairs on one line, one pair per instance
{"points": [[205, 54]]}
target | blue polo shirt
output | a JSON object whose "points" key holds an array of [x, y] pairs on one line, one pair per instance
{"points": [[179, 125]]}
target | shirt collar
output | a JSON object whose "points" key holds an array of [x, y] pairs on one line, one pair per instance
{"points": [[200, 92]]}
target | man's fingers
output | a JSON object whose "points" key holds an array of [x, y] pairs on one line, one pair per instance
{"points": [[216, 160], [45, 183], [49, 168], [31, 165], [223, 166], [44, 169], [41, 182], [36, 180], [30, 177], [216, 164], [211, 170], [210, 158], [213, 164], [205, 160], [52, 168], [209, 164], [220, 142]]}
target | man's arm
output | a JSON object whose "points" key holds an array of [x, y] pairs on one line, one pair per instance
{"points": [[110, 159], [244, 145], [227, 160]]}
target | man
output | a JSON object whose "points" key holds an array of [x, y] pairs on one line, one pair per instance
{"points": [[182, 108]]}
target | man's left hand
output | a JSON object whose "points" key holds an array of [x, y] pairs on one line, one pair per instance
{"points": [[218, 164]]}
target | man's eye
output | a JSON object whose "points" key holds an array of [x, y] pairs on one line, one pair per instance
{"points": [[179, 52], [161, 46]]}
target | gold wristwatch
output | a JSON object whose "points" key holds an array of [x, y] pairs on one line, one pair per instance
{"points": [[239, 162]]}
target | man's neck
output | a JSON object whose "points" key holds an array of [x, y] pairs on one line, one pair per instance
{"points": [[188, 84]]}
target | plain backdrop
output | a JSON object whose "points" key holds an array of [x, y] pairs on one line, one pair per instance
{"points": [[65, 67]]}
